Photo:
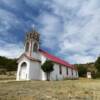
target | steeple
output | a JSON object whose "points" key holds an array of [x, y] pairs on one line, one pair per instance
{"points": [[32, 43]]}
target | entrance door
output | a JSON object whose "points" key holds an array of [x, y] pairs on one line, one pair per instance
{"points": [[23, 74]]}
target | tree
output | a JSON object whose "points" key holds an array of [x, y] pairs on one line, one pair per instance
{"points": [[97, 64], [47, 67], [81, 70], [8, 64]]}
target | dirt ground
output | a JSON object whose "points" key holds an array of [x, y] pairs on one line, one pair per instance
{"points": [[82, 89]]}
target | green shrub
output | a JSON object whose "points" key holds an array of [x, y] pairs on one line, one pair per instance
{"points": [[47, 67]]}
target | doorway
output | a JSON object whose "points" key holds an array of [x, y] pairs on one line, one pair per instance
{"points": [[23, 74]]}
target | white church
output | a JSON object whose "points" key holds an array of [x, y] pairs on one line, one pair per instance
{"points": [[29, 63]]}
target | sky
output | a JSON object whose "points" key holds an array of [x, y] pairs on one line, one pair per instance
{"points": [[69, 29]]}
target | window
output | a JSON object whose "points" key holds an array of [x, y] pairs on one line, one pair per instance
{"points": [[60, 69], [23, 64], [27, 47], [35, 47], [67, 70], [72, 72], [76, 73]]}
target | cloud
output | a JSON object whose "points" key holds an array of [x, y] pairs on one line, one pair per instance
{"points": [[78, 40], [10, 50], [7, 20], [33, 3], [69, 28], [50, 26], [81, 58]]}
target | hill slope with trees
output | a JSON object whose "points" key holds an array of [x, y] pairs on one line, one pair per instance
{"points": [[7, 64], [94, 68]]}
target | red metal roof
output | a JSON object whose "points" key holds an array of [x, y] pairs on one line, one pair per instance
{"points": [[56, 59]]}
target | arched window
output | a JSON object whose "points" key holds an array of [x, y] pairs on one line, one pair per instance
{"points": [[35, 47], [23, 64], [27, 47]]}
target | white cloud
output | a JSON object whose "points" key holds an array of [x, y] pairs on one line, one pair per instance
{"points": [[50, 26], [80, 36], [10, 50], [14, 4], [81, 58], [33, 3], [8, 45], [7, 21], [71, 25]]}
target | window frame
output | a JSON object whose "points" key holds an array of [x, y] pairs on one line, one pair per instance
{"points": [[72, 72], [60, 69], [66, 70]]}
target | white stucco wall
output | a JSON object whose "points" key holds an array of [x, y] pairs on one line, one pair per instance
{"points": [[77, 74], [69, 72], [24, 59], [55, 75], [35, 70], [43, 59]]}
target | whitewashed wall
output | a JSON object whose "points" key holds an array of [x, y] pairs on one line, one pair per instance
{"points": [[69, 73], [77, 74], [24, 59], [43, 75], [55, 75], [35, 70]]}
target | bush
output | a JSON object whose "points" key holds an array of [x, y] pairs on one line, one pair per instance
{"points": [[3, 71], [47, 67], [82, 70], [97, 64]]}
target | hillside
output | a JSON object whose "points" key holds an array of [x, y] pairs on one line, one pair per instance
{"points": [[8, 64], [84, 68], [11, 64]]}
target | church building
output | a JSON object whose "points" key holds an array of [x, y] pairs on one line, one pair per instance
{"points": [[29, 63]]}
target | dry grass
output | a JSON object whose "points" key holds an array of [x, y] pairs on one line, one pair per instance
{"points": [[54, 90], [7, 77]]}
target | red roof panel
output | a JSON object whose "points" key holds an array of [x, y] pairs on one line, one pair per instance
{"points": [[56, 59]]}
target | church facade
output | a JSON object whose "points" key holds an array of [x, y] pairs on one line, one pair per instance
{"points": [[29, 63]]}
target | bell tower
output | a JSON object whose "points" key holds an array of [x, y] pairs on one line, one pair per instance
{"points": [[32, 44]]}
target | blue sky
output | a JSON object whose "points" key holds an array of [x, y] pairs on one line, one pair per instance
{"points": [[69, 29]]}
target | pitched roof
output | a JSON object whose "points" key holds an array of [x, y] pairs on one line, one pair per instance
{"points": [[51, 57], [56, 59], [31, 58]]}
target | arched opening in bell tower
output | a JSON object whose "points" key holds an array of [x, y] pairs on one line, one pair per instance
{"points": [[35, 47], [27, 47]]}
